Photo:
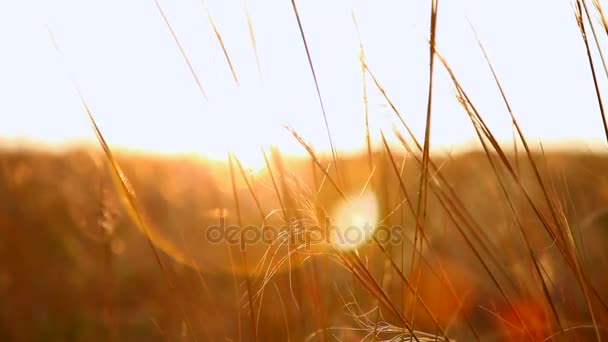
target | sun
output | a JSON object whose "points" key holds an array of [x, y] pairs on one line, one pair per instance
{"points": [[354, 221]]}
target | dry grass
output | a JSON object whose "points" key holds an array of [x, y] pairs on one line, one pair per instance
{"points": [[493, 245]]}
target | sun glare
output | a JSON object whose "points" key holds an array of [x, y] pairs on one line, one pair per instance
{"points": [[144, 95], [354, 221]]}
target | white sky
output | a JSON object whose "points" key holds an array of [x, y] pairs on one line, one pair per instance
{"points": [[125, 62]]}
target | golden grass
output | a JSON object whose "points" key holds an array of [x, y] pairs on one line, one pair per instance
{"points": [[435, 283]]}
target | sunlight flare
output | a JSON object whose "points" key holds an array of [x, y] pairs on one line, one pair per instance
{"points": [[354, 222]]}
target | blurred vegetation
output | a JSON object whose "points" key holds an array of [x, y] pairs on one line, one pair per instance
{"points": [[73, 267]]}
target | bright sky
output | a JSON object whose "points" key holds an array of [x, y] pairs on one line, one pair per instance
{"points": [[131, 73]]}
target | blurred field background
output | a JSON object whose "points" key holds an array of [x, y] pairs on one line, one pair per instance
{"points": [[74, 266], [492, 197]]}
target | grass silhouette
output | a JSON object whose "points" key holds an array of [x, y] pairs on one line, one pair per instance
{"points": [[507, 242]]}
